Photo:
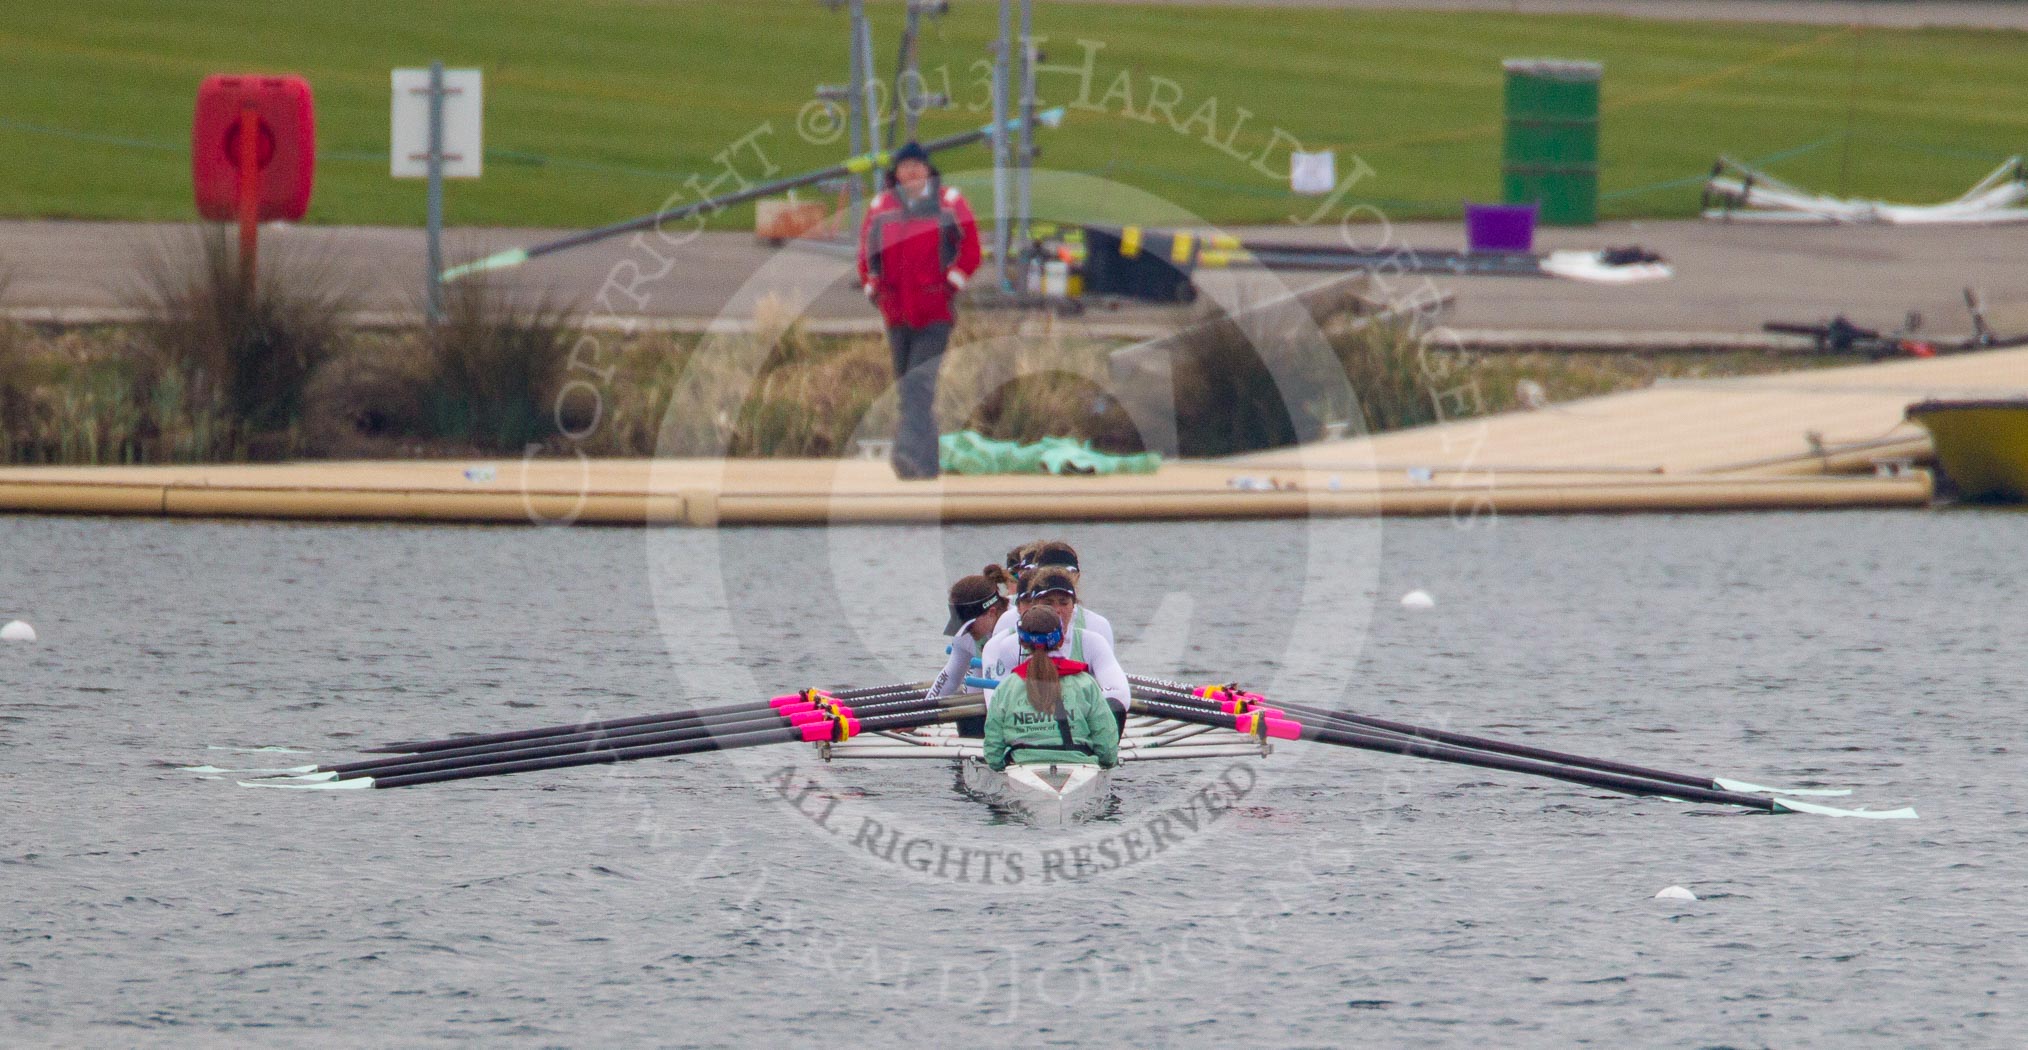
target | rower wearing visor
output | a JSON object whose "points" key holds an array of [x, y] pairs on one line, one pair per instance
{"points": [[1018, 559], [1056, 554], [977, 605], [1053, 589]]}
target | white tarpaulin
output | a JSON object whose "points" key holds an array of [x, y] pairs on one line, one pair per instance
{"points": [[1745, 194]]}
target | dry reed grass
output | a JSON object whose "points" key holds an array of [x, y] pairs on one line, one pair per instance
{"points": [[101, 397], [247, 353], [488, 379]]}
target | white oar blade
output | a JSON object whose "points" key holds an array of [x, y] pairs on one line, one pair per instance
{"points": [[310, 785], [1788, 805], [247, 772], [1745, 788]]}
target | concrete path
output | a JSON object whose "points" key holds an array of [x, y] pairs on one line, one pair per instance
{"points": [[1966, 14], [1730, 277]]}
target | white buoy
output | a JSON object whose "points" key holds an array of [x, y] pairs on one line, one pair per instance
{"points": [[1675, 893], [1418, 599], [17, 631]]}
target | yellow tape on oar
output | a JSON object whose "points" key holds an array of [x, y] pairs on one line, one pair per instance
{"points": [[1179, 251], [862, 165], [1130, 242]]}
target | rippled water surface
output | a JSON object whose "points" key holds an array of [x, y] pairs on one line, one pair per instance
{"points": [[1345, 897]]}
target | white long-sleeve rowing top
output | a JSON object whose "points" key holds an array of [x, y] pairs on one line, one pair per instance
{"points": [[963, 649], [1003, 652], [1083, 617]]}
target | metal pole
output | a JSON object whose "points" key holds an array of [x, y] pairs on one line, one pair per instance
{"points": [[1002, 53], [436, 194], [902, 108], [870, 83], [1027, 141], [856, 97]]}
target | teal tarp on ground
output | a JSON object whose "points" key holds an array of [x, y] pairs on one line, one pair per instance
{"points": [[970, 452]]}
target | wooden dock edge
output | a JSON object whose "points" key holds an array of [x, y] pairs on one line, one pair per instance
{"points": [[1085, 500]]}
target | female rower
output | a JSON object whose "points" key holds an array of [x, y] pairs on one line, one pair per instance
{"points": [[1053, 589], [1049, 710], [976, 607], [1056, 554]]}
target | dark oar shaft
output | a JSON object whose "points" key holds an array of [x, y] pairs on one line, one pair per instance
{"points": [[1212, 250], [874, 691], [909, 720], [854, 166], [603, 725], [1500, 747], [416, 747], [754, 192], [1414, 748], [750, 717], [583, 742], [1571, 774], [1466, 740]]}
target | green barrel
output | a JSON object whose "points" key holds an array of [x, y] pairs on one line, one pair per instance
{"points": [[1551, 150]]}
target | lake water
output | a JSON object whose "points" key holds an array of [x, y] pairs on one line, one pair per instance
{"points": [[1340, 897]]}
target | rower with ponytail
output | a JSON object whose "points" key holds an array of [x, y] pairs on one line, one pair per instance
{"points": [[1050, 710]]}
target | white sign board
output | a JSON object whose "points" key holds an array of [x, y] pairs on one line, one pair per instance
{"points": [[410, 154], [1313, 173]]}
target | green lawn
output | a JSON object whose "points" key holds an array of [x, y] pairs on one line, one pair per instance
{"points": [[597, 108]]}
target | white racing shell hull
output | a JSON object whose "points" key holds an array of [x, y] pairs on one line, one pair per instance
{"points": [[1049, 795], [1077, 793]]}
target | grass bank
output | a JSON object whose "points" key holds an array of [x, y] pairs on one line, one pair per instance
{"points": [[600, 109]]}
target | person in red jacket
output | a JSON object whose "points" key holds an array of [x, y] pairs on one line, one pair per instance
{"points": [[917, 248]]}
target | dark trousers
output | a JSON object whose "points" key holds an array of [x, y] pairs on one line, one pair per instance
{"points": [[918, 352]]}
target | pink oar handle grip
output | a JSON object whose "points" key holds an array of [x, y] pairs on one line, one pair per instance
{"points": [[827, 730], [1284, 729], [1280, 728], [795, 698], [1229, 699], [1257, 702]]}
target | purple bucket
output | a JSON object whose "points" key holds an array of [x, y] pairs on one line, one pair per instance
{"points": [[1500, 227]]}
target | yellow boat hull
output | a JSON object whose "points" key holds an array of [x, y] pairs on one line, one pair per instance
{"points": [[1982, 446]]}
